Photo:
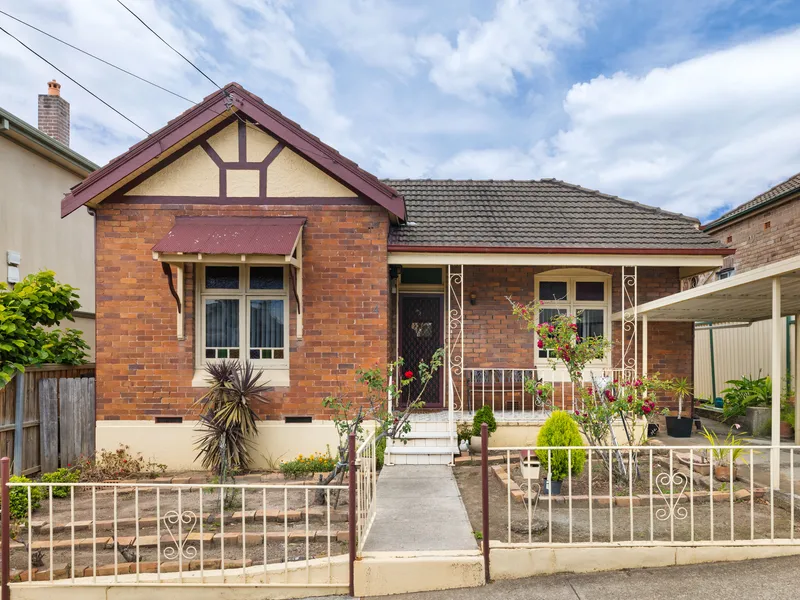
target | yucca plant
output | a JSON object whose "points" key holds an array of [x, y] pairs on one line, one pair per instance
{"points": [[228, 419]]}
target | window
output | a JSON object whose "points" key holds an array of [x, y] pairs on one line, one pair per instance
{"points": [[725, 273], [421, 276], [587, 296], [245, 314]]}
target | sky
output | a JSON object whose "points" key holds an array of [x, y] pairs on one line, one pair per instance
{"points": [[690, 105]]}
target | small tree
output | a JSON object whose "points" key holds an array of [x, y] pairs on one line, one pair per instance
{"points": [[384, 386], [560, 431], [228, 419], [35, 303], [483, 415]]}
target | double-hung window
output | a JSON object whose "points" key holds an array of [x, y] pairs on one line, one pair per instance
{"points": [[244, 314], [586, 296]]}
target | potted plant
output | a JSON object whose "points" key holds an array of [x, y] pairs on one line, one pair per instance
{"points": [[559, 432], [483, 415], [464, 433], [678, 426], [725, 454], [787, 419]]}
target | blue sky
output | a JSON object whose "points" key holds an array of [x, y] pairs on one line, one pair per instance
{"points": [[693, 106]]}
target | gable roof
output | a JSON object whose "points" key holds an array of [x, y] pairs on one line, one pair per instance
{"points": [[779, 192], [34, 139], [546, 215], [146, 154]]}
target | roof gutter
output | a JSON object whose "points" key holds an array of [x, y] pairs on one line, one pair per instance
{"points": [[732, 218], [562, 250]]}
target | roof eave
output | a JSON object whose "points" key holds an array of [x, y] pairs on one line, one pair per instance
{"points": [[730, 219], [562, 250]]}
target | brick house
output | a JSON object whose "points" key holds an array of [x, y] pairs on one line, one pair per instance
{"points": [[234, 233], [762, 231]]}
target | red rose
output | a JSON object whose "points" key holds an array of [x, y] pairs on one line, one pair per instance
{"points": [[646, 409], [409, 374], [540, 343]]}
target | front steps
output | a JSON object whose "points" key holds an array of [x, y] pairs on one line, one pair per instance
{"points": [[428, 443]]}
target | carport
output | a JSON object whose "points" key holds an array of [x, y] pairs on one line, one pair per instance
{"points": [[769, 292]]}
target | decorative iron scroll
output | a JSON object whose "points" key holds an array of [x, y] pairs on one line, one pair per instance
{"points": [[184, 522], [455, 335], [630, 323], [666, 484]]}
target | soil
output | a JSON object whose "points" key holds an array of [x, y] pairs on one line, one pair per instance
{"points": [[614, 523], [153, 505]]}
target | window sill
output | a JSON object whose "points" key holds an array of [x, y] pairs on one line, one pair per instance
{"points": [[273, 377]]}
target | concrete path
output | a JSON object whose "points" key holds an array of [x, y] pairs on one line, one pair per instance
{"points": [[769, 579], [419, 509]]}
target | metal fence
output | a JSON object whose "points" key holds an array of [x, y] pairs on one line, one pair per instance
{"points": [[129, 533], [641, 496], [367, 486]]}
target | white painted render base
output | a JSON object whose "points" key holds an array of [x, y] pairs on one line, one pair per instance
{"points": [[238, 584], [509, 562], [173, 444]]}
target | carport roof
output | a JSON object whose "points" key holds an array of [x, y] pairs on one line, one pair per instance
{"points": [[745, 297]]}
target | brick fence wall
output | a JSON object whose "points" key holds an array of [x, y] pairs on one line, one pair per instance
{"points": [[145, 371]]}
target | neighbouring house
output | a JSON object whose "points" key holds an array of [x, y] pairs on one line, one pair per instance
{"points": [[763, 231], [37, 167], [234, 233]]}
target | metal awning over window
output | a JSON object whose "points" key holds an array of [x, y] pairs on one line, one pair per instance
{"points": [[247, 238], [233, 240]]}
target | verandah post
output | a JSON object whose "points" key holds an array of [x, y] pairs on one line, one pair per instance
{"points": [[5, 531], [351, 508], [485, 498]]}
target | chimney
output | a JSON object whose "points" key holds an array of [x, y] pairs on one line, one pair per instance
{"points": [[54, 113]]}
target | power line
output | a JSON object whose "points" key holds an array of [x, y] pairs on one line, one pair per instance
{"points": [[97, 58], [168, 44], [80, 85]]}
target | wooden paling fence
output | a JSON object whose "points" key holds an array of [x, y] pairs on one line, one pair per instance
{"points": [[47, 417]]}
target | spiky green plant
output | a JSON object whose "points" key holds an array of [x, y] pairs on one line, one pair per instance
{"points": [[228, 419]]}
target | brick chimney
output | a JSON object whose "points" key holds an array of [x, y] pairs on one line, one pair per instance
{"points": [[54, 113]]}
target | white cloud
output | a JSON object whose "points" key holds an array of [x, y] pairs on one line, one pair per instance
{"points": [[521, 36], [703, 134]]}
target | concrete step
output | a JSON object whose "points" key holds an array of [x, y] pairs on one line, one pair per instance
{"points": [[382, 573], [420, 455], [422, 450], [426, 435]]}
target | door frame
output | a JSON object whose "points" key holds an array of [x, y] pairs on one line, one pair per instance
{"points": [[440, 296]]}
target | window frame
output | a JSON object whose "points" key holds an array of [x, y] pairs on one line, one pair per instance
{"points": [[572, 305], [244, 293]]}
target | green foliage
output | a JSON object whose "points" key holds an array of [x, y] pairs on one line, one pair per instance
{"points": [[380, 452], [560, 430], [483, 415], [464, 431], [62, 475], [304, 465], [743, 393], [731, 449], [35, 303], [18, 498], [118, 464], [228, 420]]}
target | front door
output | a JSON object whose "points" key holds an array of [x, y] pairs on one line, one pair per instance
{"points": [[421, 334]]}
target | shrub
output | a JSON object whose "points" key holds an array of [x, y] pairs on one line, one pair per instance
{"points": [[743, 393], [302, 465], [119, 464], [560, 429], [464, 431], [62, 475], [483, 415], [18, 498], [380, 452]]}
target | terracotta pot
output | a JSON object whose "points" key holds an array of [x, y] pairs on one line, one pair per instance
{"points": [[787, 431], [723, 473]]}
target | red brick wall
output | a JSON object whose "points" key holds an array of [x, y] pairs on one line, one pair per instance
{"points": [[144, 371], [757, 244], [493, 338]]}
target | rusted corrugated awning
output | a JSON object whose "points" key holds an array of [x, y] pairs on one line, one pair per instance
{"points": [[232, 235]]}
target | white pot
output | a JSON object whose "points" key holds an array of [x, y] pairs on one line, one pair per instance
{"points": [[475, 444]]}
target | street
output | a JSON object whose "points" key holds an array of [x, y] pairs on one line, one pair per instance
{"points": [[773, 579]]}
